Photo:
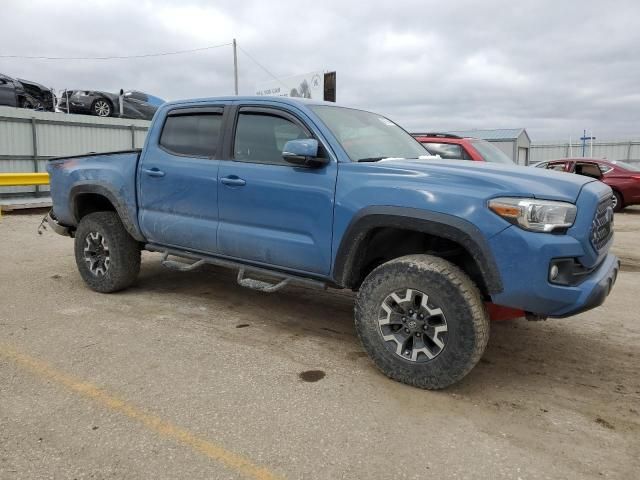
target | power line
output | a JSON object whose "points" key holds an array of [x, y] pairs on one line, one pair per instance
{"points": [[118, 57], [261, 66]]}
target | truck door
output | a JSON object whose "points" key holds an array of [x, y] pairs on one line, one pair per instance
{"points": [[272, 212], [178, 180]]}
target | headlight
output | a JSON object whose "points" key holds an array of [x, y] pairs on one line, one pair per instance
{"points": [[535, 215]]}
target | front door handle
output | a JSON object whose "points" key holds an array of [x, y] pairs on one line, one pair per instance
{"points": [[153, 172], [233, 180]]}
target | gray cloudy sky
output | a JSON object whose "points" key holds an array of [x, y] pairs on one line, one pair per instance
{"points": [[554, 67]]}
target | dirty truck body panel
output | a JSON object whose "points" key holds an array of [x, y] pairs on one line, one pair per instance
{"points": [[231, 196]]}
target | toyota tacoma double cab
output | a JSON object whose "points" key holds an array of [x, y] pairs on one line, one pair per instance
{"points": [[294, 191]]}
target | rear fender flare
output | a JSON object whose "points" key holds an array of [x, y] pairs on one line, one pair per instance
{"points": [[129, 223]]}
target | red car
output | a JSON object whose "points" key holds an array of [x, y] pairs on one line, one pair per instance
{"points": [[462, 148], [623, 178]]}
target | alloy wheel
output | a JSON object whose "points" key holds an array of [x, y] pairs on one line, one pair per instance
{"points": [[96, 253], [102, 108], [412, 327]]}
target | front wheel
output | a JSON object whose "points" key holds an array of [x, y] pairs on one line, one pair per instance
{"points": [[422, 321], [30, 104], [101, 108], [108, 258], [618, 203]]}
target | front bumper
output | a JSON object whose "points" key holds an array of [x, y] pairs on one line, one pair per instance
{"points": [[524, 259], [599, 287], [74, 106]]}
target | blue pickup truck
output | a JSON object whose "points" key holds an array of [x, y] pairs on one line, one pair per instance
{"points": [[292, 191]]}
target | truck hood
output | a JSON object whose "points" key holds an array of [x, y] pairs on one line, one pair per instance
{"points": [[504, 180]]}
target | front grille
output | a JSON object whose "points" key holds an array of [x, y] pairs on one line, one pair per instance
{"points": [[602, 227]]}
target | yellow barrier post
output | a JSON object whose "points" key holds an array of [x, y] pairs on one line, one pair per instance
{"points": [[23, 179]]}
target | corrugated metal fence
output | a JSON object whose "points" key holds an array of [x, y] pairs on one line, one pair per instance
{"points": [[28, 138], [628, 151]]}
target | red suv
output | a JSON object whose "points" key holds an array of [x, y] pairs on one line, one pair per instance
{"points": [[623, 178], [462, 148]]}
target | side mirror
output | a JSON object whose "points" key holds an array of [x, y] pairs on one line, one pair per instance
{"points": [[303, 153]]}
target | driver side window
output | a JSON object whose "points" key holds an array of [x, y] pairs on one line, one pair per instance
{"points": [[260, 137]]}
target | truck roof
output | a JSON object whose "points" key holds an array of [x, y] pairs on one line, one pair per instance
{"points": [[295, 101]]}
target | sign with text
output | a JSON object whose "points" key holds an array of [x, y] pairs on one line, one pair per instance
{"points": [[309, 85]]}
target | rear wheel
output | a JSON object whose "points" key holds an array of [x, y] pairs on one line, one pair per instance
{"points": [[108, 258], [422, 321]]}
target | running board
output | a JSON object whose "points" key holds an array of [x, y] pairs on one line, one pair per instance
{"points": [[179, 266], [260, 285], [282, 279]]}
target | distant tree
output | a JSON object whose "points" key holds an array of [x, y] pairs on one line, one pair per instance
{"points": [[305, 91]]}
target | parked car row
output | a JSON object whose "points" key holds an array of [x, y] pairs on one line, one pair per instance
{"points": [[22, 93], [135, 104], [623, 178]]}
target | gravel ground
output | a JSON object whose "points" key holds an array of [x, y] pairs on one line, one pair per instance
{"points": [[187, 375]]}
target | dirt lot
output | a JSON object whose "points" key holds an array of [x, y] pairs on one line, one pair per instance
{"points": [[187, 375]]}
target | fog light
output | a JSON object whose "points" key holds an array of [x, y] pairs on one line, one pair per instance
{"points": [[553, 272]]}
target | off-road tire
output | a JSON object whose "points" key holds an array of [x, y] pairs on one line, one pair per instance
{"points": [[123, 252], [619, 202], [453, 292]]}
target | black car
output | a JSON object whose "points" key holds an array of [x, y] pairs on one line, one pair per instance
{"points": [[25, 94], [136, 104]]}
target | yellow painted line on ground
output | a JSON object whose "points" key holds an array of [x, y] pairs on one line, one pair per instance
{"points": [[23, 179], [162, 427]]}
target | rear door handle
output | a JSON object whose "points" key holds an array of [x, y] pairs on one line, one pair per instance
{"points": [[233, 180], [153, 172]]}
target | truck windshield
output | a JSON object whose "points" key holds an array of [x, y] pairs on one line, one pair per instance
{"points": [[491, 153], [366, 136]]}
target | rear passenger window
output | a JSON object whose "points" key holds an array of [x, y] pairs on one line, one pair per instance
{"points": [[193, 135], [260, 137]]}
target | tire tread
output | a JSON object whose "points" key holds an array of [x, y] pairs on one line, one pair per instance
{"points": [[449, 275]]}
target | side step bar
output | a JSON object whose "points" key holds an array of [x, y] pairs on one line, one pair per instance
{"points": [[180, 266], [282, 279], [260, 285]]}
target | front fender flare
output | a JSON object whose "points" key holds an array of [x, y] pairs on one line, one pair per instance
{"points": [[442, 225]]}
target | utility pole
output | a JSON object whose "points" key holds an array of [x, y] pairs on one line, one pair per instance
{"points": [[584, 139], [570, 147], [235, 67]]}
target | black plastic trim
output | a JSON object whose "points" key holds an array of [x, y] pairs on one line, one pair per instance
{"points": [[129, 223], [570, 271], [94, 154], [599, 293], [441, 225]]}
